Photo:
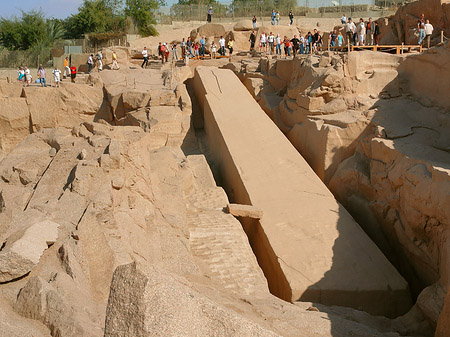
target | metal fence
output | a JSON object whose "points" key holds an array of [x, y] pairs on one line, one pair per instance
{"points": [[246, 10]]}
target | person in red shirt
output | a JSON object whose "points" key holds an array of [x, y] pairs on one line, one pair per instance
{"points": [[73, 73]]}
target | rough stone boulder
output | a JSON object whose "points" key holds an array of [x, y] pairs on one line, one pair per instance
{"points": [[12, 325], [402, 26], [243, 25], [443, 326], [54, 107], [240, 38], [39, 300], [247, 211], [153, 303], [14, 122], [209, 29], [22, 251], [288, 31]]}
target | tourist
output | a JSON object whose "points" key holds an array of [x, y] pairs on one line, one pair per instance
{"points": [[278, 18], [174, 52], [209, 15], [333, 37], [66, 67], [318, 42], [349, 28], [421, 28], [343, 19], [274, 14], [262, 40], [252, 40], [295, 45], [159, 50], [222, 46], [100, 60], [90, 63], [370, 29], [254, 21], [340, 39], [28, 76], [301, 45], [271, 39], [186, 58], [287, 47], [213, 50], [162, 51], [202, 49], [291, 18], [145, 56], [41, 75], [73, 73], [196, 51], [21, 74], [278, 45], [57, 76], [361, 30], [230, 46], [183, 48], [115, 64], [189, 47], [315, 38], [167, 52], [428, 31], [376, 34]]}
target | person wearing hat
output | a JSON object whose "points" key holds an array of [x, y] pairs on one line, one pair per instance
{"points": [[210, 13]]}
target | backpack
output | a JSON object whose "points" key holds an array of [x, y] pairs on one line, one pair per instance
{"points": [[163, 48]]}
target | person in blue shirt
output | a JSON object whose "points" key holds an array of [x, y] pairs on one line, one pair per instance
{"points": [[202, 50], [273, 17]]}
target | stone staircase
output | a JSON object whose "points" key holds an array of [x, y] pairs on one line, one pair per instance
{"points": [[217, 239]]}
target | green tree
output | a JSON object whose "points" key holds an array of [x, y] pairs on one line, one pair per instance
{"points": [[24, 32], [94, 16], [141, 11]]}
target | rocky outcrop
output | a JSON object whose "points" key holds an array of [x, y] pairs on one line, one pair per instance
{"points": [[215, 30], [22, 251], [151, 302], [402, 27], [243, 25], [376, 139]]}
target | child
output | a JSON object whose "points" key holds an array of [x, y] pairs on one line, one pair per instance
{"points": [[213, 50], [196, 51], [57, 74], [21, 73], [73, 73]]}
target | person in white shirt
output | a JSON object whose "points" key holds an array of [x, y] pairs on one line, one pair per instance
{"points": [[145, 55], [100, 60], [361, 30], [302, 44], [222, 46], [278, 45], [349, 30], [428, 31], [57, 75], [263, 41], [27, 76], [271, 39], [90, 63], [344, 19]]}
